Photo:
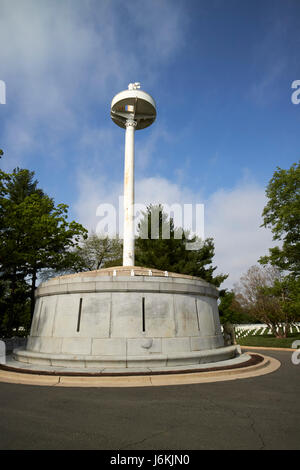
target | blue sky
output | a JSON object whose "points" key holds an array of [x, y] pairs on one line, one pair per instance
{"points": [[220, 72]]}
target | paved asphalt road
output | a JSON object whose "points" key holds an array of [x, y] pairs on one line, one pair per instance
{"points": [[254, 413]]}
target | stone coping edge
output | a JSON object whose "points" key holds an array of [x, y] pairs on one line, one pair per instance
{"points": [[125, 287], [121, 271]]}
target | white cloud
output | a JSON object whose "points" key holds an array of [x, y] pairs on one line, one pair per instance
{"points": [[232, 216], [160, 25], [233, 219], [157, 190], [61, 59], [92, 192], [148, 148], [264, 90], [270, 59]]}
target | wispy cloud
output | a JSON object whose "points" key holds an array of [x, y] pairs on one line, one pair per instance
{"points": [[61, 60], [263, 91], [270, 57], [233, 219], [232, 216]]}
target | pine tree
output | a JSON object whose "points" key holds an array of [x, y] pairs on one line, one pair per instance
{"points": [[154, 250], [35, 234]]}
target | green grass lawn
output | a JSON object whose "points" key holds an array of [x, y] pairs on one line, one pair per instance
{"points": [[268, 341]]}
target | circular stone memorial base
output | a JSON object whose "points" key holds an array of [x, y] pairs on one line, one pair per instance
{"points": [[126, 319]]}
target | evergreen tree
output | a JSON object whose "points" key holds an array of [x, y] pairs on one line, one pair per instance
{"points": [[21, 184], [163, 246], [35, 234]]}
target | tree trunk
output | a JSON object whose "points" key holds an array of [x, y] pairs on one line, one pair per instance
{"points": [[281, 333], [287, 329], [274, 331]]}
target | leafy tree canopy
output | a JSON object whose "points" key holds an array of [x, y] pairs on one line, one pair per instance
{"points": [[282, 215], [230, 309], [269, 297], [35, 233], [96, 252]]}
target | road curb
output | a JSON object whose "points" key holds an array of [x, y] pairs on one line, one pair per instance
{"points": [[267, 366], [265, 348]]}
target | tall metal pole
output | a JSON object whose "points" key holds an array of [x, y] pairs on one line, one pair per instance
{"points": [[128, 241]]}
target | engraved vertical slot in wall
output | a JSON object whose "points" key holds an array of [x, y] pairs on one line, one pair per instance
{"points": [[79, 315], [143, 315], [197, 314]]}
